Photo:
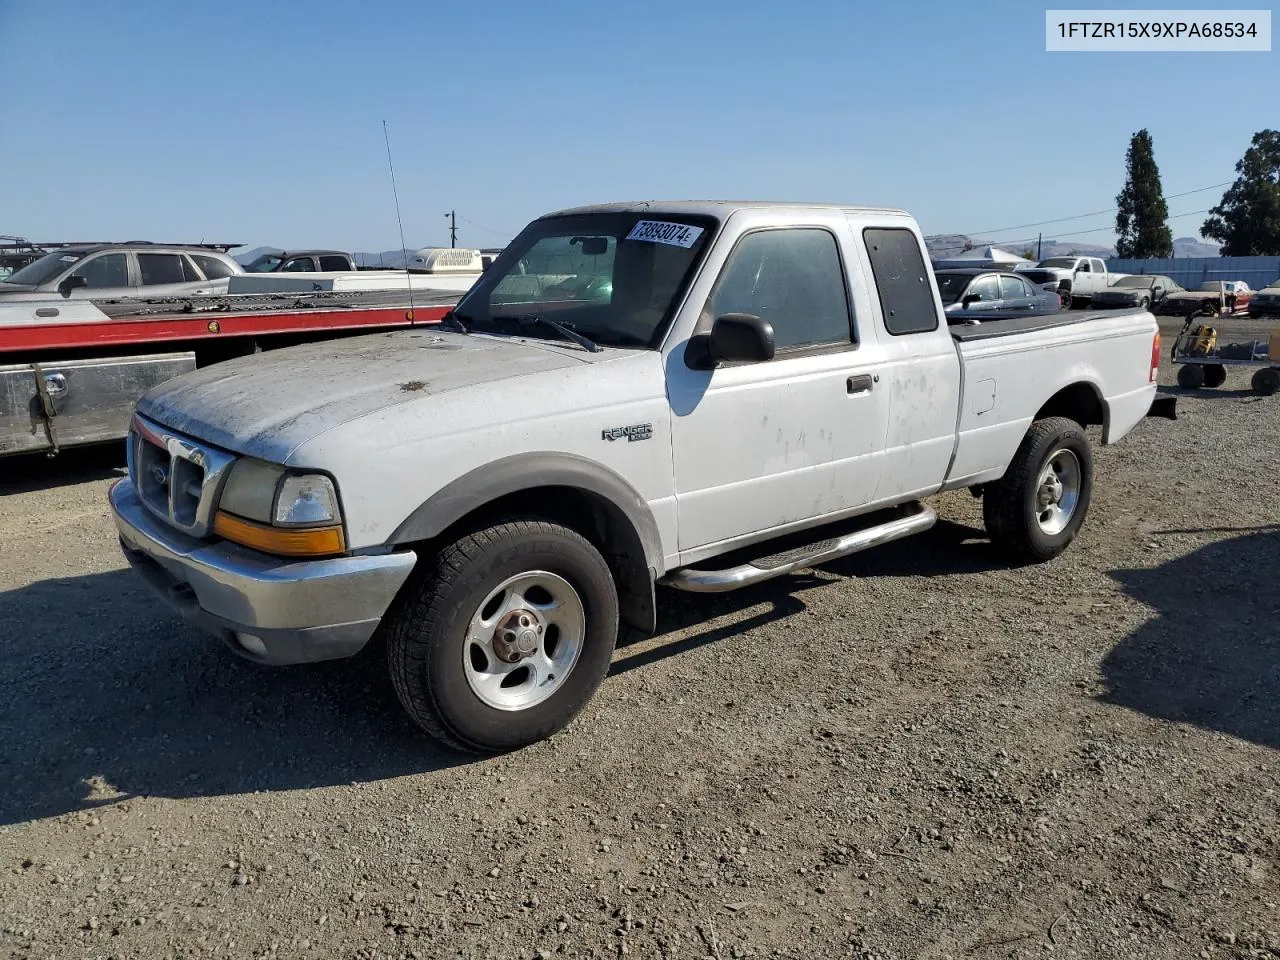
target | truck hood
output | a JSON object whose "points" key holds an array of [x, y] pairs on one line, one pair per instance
{"points": [[267, 404]]}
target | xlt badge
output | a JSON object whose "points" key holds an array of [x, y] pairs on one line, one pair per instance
{"points": [[637, 431]]}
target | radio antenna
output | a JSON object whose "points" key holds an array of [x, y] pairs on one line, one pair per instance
{"points": [[404, 251]]}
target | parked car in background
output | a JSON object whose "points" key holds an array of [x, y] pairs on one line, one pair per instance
{"points": [[1139, 290], [1266, 302], [1077, 279], [303, 261], [1212, 297], [969, 292], [108, 270]]}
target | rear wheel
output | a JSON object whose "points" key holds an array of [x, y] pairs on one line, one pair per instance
{"points": [[1266, 381], [1035, 510], [1215, 375], [1191, 376], [505, 637]]}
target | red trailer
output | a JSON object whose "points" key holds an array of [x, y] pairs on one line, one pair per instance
{"points": [[71, 370]]}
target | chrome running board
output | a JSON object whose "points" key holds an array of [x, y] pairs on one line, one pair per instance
{"points": [[918, 519]]}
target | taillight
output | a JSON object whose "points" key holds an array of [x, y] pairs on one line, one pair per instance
{"points": [[1155, 357]]}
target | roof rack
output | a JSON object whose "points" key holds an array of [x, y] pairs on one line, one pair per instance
{"points": [[21, 243]]}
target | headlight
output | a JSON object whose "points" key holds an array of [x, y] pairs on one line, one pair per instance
{"points": [[292, 515], [250, 490], [306, 501]]}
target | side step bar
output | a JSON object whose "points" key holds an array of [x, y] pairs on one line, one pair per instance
{"points": [[918, 519]]}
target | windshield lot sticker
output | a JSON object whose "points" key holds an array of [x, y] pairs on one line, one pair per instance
{"points": [[659, 231]]}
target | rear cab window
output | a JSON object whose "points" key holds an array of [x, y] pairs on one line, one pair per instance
{"points": [[902, 280], [334, 264]]}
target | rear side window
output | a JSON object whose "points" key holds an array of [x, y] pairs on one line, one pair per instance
{"points": [[214, 269], [334, 264], [902, 280], [793, 279], [161, 268], [1011, 288]]}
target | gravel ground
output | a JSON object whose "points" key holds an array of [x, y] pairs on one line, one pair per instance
{"points": [[915, 752]]}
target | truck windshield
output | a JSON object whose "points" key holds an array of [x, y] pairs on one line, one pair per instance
{"points": [[613, 277], [1060, 263], [267, 263], [46, 268]]}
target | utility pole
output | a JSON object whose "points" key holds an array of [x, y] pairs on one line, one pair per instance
{"points": [[452, 217], [1039, 237]]}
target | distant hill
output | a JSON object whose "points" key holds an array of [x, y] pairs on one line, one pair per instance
{"points": [[942, 246]]}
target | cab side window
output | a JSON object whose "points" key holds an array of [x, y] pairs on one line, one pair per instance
{"points": [[214, 269], [334, 264], [793, 279], [108, 270], [1011, 288], [299, 265]]}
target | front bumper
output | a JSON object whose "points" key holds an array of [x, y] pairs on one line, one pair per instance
{"points": [[295, 611]]}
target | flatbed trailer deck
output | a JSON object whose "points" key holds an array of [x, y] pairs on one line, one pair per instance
{"points": [[71, 370]]}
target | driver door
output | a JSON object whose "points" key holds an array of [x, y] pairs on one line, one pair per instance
{"points": [[763, 446]]}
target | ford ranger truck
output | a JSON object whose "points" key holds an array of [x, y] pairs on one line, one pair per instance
{"points": [[696, 395]]}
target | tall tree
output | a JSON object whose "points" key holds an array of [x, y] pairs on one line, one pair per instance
{"points": [[1247, 221], [1142, 221]]}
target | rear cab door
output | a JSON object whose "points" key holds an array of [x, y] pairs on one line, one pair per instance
{"points": [[918, 364]]}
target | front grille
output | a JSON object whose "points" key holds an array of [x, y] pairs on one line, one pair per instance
{"points": [[177, 478]]}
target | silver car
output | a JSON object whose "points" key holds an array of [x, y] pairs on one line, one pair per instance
{"points": [[123, 270]]}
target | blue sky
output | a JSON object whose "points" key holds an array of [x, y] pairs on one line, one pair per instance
{"points": [[261, 122]]}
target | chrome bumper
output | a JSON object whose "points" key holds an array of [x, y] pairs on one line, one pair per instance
{"points": [[269, 609]]}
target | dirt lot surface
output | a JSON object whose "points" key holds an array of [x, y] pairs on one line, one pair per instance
{"points": [[915, 752]]}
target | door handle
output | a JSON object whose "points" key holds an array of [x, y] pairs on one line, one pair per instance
{"points": [[56, 384], [860, 384]]}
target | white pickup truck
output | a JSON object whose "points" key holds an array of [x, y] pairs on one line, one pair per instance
{"points": [[721, 393], [1075, 279]]}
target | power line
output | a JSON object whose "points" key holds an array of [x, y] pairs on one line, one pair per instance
{"points": [[496, 233], [1096, 213], [1077, 233]]}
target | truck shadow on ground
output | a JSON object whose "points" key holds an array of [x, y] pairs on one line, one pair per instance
{"points": [[36, 471], [107, 696], [1211, 655]]}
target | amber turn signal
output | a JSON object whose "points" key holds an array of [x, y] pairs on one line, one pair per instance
{"points": [[322, 542]]}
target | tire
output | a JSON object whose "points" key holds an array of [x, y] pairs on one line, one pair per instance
{"points": [[1209, 308], [1215, 375], [1015, 508], [1191, 376], [455, 689], [1266, 381], [1144, 303], [1065, 295]]}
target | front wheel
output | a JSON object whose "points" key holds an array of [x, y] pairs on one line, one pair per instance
{"points": [[505, 637], [1215, 375], [1035, 510], [1191, 376]]}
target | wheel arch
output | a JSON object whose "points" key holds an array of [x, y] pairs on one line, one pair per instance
{"points": [[1080, 401], [563, 488]]}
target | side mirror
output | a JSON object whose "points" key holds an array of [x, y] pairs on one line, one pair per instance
{"points": [[970, 298], [72, 283], [733, 337]]}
